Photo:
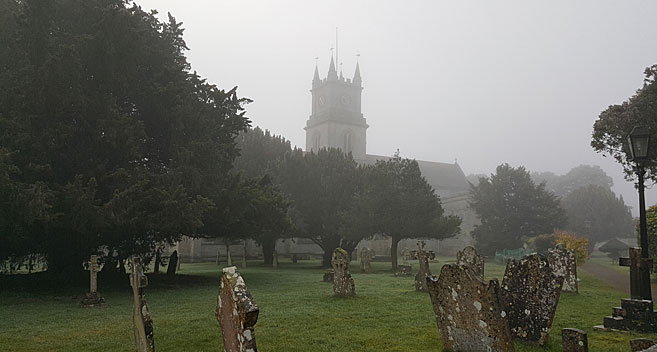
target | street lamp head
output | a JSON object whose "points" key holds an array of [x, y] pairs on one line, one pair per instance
{"points": [[639, 141]]}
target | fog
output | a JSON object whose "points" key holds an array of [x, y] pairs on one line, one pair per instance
{"points": [[481, 82]]}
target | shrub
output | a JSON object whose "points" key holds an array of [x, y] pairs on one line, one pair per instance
{"points": [[577, 244]]}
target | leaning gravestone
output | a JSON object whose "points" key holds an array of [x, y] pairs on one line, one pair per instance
{"points": [[365, 254], [423, 257], [469, 312], [93, 298], [141, 316], [643, 344], [237, 313], [574, 340], [531, 293], [329, 274], [343, 283], [562, 262], [469, 257]]}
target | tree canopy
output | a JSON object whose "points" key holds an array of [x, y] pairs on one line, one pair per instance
{"points": [[103, 122], [614, 124], [577, 177], [396, 200], [512, 208]]}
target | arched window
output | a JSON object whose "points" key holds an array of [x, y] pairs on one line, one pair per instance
{"points": [[347, 145], [316, 143]]}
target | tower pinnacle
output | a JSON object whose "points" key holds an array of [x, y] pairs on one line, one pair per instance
{"points": [[332, 73]]}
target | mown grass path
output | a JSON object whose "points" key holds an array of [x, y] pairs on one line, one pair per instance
{"points": [[297, 312]]}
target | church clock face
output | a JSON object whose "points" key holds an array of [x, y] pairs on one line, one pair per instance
{"points": [[345, 100], [322, 100]]}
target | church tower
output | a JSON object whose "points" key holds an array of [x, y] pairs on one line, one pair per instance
{"points": [[336, 120]]}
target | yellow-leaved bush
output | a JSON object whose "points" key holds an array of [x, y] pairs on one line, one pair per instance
{"points": [[577, 244]]}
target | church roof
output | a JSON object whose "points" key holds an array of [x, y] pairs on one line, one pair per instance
{"points": [[447, 179]]}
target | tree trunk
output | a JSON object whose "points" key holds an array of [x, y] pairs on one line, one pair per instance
{"points": [[268, 246], [393, 251], [326, 258], [156, 266]]}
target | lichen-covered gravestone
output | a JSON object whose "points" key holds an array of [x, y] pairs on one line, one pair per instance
{"points": [[574, 340], [141, 316], [642, 344], [423, 257], [93, 298], [469, 257], [469, 312], [343, 283], [562, 262], [236, 312], [531, 293], [365, 254]]}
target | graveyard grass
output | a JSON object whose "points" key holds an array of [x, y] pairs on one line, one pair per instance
{"points": [[297, 312]]}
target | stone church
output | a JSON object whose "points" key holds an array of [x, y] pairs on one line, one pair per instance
{"points": [[336, 121]]}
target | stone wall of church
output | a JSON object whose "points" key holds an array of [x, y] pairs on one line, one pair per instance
{"points": [[458, 205]]}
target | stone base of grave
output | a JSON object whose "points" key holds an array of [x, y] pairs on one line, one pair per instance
{"points": [[92, 300], [404, 270], [329, 275], [633, 315]]}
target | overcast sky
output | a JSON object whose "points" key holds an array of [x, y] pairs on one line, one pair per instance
{"points": [[484, 82]]}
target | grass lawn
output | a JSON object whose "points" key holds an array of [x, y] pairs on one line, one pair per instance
{"points": [[297, 312]]}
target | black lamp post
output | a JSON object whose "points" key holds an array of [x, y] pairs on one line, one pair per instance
{"points": [[639, 142]]}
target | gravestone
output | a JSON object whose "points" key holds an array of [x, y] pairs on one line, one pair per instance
{"points": [[531, 293], [294, 258], [93, 298], [563, 263], [173, 264], [637, 345], [574, 340], [423, 257], [469, 311], [468, 256], [329, 274], [404, 270], [229, 259], [365, 254], [244, 256], [274, 259], [343, 283], [237, 313], [634, 314], [141, 315]]}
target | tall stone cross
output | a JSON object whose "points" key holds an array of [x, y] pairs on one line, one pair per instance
{"points": [[93, 274], [639, 274], [141, 315]]}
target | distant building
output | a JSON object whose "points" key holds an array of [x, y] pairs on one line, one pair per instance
{"points": [[336, 121]]}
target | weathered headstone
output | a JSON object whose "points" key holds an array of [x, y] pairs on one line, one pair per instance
{"points": [[365, 254], [423, 257], [468, 256], [531, 293], [637, 345], [141, 315], [563, 263], [343, 283], [173, 264], [294, 258], [469, 312], [237, 313], [93, 298], [274, 259], [329, 274], [404, 270], [574, 340]]}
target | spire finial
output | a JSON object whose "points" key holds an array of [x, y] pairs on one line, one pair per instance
{"points": [[332, 73], [357, 79], [316, 76]]}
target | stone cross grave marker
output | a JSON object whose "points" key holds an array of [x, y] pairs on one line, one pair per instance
{"points": [[469, 311], [141, 315], [637, 267], [173, 264], [93, 298], [365, 254], [343, 283], [423, 257], [468, 256], [237, 313], [531, 293], [563, 263]]}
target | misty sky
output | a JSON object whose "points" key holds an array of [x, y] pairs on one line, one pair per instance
{"points": [[484, 82]]}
